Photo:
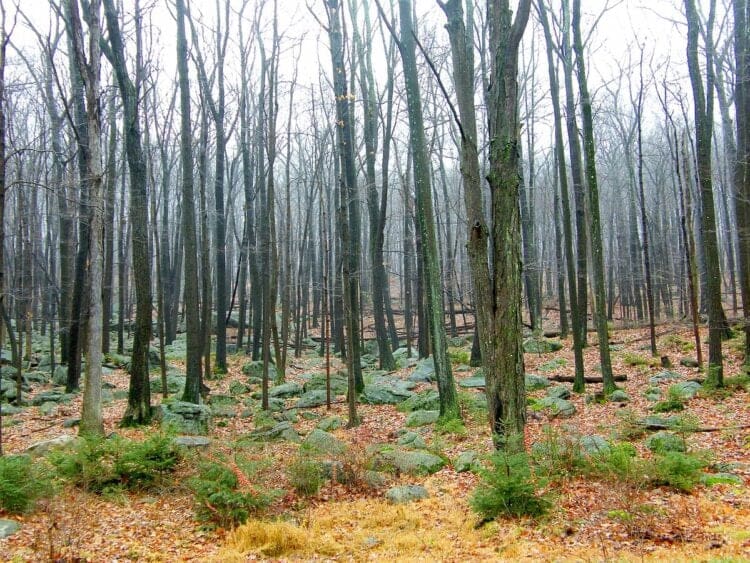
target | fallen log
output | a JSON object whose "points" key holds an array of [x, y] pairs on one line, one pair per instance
{"points": [[659, 426], [587, 379]]}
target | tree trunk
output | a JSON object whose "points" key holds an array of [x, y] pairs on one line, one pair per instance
{"points": [[597, 253], [139, 392], [703, 115], [190, 244]]}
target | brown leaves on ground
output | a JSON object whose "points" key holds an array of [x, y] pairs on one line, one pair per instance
{"points": [[590, 520]]}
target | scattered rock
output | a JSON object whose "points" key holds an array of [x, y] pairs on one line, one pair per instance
{"points": [[559, 392], [52, 396], [557, 407], [380, 394], [282, 431], [406, 493], [594, 445], [311, 399], [421, 418], [411, 462], [9, 410], [689, 362], [46, 446], [323, 442], [339, 383], [534, 382], [60, 377], [412, 440], [655, 422], [330, 423], [475, 382], [48, 408], [685, 389], [619, 396], [254, 368], [71, 422], [466, 461], [664, 376], [238, 388], [424, 372], [191, 441], [663, 442], [541, 346], [286, 390], [186, 418], [8, 528], [652, 394], [428, 400]]}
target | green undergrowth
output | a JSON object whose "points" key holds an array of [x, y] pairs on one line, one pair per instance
{"points": [[559, 457], [23, 481], [109, 465], [221, 496]]}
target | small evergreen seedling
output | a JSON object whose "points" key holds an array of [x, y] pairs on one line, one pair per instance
{"points": [[508, 489], [22, 483]]}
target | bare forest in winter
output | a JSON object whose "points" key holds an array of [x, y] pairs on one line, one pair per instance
{"points": [[374, 279]]}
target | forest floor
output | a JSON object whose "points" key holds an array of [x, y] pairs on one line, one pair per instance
{"points": [[591, 520]]}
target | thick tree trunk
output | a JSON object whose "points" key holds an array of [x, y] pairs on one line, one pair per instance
{"points": [[139, 392], [190, 245], [425, 219], [597, 253]]}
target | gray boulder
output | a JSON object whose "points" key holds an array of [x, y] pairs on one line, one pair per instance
{"points": [[466, 461], [282, 431], [663, 442], [44, 447], [339, 383], [406, 493], [594, 445], [424, 372], [48, 408], [664, 376], [186, 418], [559, 392], [421, 418], [411, 462], [534, 382], [541, 346], [311, 399], [380, 394], [685, 389], [191, 442], [412, 440], [619, 396], [475, 382], [426, 401], [323, 442], [557, 407], [330, 423], [8, 528], [9, 410], [286, 390], [60, 377]]}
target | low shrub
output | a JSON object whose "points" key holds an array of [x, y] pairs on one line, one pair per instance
{"points": [[680, 471], [99, 465], [508, 489], [306, 475], [673, 403], [22, 482], [459, 356], [218, 500]]}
